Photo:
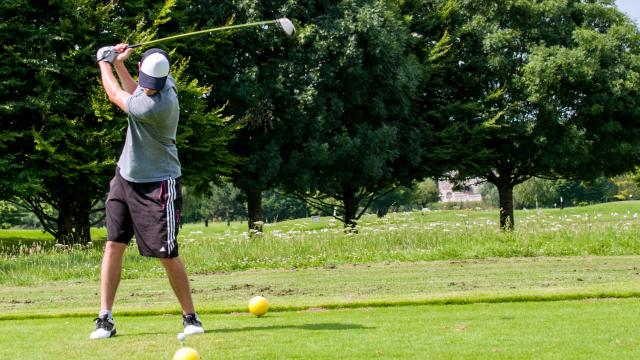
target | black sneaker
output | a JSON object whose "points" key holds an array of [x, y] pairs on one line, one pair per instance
{"points": [[192, 324], [105, 328]]}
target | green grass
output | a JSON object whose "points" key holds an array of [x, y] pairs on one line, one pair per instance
{"points": [[438, 284], [382, 284], [601, 230], [557, 330]]}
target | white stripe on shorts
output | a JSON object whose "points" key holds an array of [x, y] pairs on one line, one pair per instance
{"points": [[171, 215]]}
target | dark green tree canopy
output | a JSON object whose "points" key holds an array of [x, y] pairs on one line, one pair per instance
{"points": [[539, 89], [60, 137], [249, 72], [368, 96], [57, 146], [354, 138]]}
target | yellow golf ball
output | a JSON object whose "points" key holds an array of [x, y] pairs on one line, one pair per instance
{"points": [[186, 353], [258, 306]]}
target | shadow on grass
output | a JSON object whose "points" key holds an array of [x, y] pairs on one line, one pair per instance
{"points": [[127, 334], [320, 326]]}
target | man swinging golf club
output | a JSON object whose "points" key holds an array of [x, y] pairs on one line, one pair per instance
{"points": [[145, 194]]}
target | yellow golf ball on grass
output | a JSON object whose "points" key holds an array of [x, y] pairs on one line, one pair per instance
{"points": [[186, 353], [258, 306]]}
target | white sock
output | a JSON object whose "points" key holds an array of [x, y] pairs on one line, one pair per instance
{"points": [[107, 313]]}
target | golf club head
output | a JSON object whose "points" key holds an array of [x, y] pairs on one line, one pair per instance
{"points": [[287, 26]]}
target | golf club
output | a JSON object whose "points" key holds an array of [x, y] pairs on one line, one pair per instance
{"points": [[284, 23]]}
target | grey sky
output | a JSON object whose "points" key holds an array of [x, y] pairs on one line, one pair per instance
{"points": [[631, 7]]}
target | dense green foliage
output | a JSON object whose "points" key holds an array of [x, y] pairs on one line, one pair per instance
{"points": [[357, 137], [60, 136], [250, 72], [540, 88], [278, 206], [327, 113], [57, 137], [368, 98]]}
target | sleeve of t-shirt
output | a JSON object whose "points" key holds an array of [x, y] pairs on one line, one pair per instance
{"points": [[139, 108]]}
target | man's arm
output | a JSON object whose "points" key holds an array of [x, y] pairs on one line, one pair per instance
{"points": [[112, 87], [126, 80]]}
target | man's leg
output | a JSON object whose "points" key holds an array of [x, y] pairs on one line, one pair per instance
{"points": [[109, 281], [179, 281], [110, 273]]}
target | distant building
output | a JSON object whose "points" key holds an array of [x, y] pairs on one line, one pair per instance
{"points": [[470, 191]]}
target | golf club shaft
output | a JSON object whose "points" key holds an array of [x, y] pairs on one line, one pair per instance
{"points": [[222, 28]]}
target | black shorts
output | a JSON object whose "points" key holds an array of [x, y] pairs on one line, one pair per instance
{"points": [[151, 211]]}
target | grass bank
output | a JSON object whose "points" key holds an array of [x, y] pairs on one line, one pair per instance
{"points": [[599, 230], [345, 286]]}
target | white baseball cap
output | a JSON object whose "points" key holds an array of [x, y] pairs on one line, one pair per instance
{"points": [[154, 69]]}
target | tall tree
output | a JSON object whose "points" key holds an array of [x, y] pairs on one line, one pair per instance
{"points": [[328, 113], [56, 151], [60, 137], [548, 89], [355, 137], [248, 71]]}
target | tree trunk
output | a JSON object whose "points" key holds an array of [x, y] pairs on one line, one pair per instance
{"points": [[505, 194], [350, 208], [382, 211], [65, 223], [74, 226], [254, 209], [82, 222]]}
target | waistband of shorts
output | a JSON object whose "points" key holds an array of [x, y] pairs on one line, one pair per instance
{"points": [[178, 179]]}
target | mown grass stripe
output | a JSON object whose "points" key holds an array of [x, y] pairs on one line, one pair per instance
{"points": [[355, 305]]}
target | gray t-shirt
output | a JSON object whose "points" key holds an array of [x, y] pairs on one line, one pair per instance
{"points": [[150, 152]]}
